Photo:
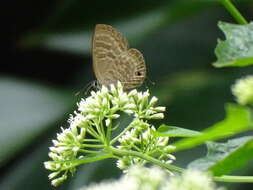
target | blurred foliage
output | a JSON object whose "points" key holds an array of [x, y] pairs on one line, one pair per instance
{"points": [[36, 108], [38, 83], [222, 158], [172, 131], [238, 119], [69, 28]]}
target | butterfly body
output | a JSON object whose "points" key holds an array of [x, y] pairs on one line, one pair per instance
{"points": [[113, 60]]}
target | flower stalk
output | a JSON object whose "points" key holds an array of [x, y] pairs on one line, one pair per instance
{"points": [[234, 12]]}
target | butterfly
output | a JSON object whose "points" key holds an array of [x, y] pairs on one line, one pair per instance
{"points": [[113, 61]]}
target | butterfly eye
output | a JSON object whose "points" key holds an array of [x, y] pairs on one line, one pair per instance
{"points": [[138, 73]]}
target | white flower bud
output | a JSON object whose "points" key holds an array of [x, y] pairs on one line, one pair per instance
{"points": [[130, 106], [53, 149], [162, 141], [169, 161], [123, 98], [93, 93], [108, 122], [56, 143], [75, 149], [104, 102], [49, 165], [113, 89], [149, 112], [146, 134], [140, 96], [104, 89], [115, 116], [160, 109], [121, 164], [146, 94], [169, 148], [132, 93], [119, 85], [129, 111], [172, 157], [157, 116], [153, 101], [82, 134], [53, 155], [89, 116], [243, 90], [59, 180], [53, 175]]}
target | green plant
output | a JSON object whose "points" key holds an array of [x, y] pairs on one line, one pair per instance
{"points": [[89, 137]]}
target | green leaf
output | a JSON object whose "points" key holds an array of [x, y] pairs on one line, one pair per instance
{"points": [[27, 110], [223, 158], [237, 49], [238, 119], [172, 131]]}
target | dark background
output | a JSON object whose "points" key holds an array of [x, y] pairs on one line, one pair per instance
{"points": [[46, 59]]}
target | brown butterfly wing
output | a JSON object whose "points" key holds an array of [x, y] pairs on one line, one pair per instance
{"points": [[107, 45], [130, 68], [112, 61]]}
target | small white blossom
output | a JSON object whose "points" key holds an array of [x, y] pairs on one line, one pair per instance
{"points": [[133, 93], [162, 141], [53, 175], [59, 180], [154, 178], [157, 116], [129, 112], [115, 116], [191, 179], [121, 164], [143, 138], [153, 101], [108, 122], [160, 109], [104, 90], [130, 106], [243, 90]]}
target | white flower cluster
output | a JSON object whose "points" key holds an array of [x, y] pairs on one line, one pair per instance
{"points": [[65, 149], [243, 90], [191, 179], [104, 104], [138, 178], [141, 178], [141, 138], [94, 117]]}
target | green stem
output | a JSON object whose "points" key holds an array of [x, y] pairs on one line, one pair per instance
{"points": [[121, 134], [89, 151], [108, 133], [100, 129], [234, 12], [93, 145], [91, 140], [147, 158], [93, 133], [234, 179], [86, 160]]}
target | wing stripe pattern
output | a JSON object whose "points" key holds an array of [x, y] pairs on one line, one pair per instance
{"points": [[113, 61]]}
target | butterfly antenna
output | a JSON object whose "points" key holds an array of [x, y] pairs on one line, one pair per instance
{"points": [[146, 82], [152, 82], [93, 85], [85, 89]]}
